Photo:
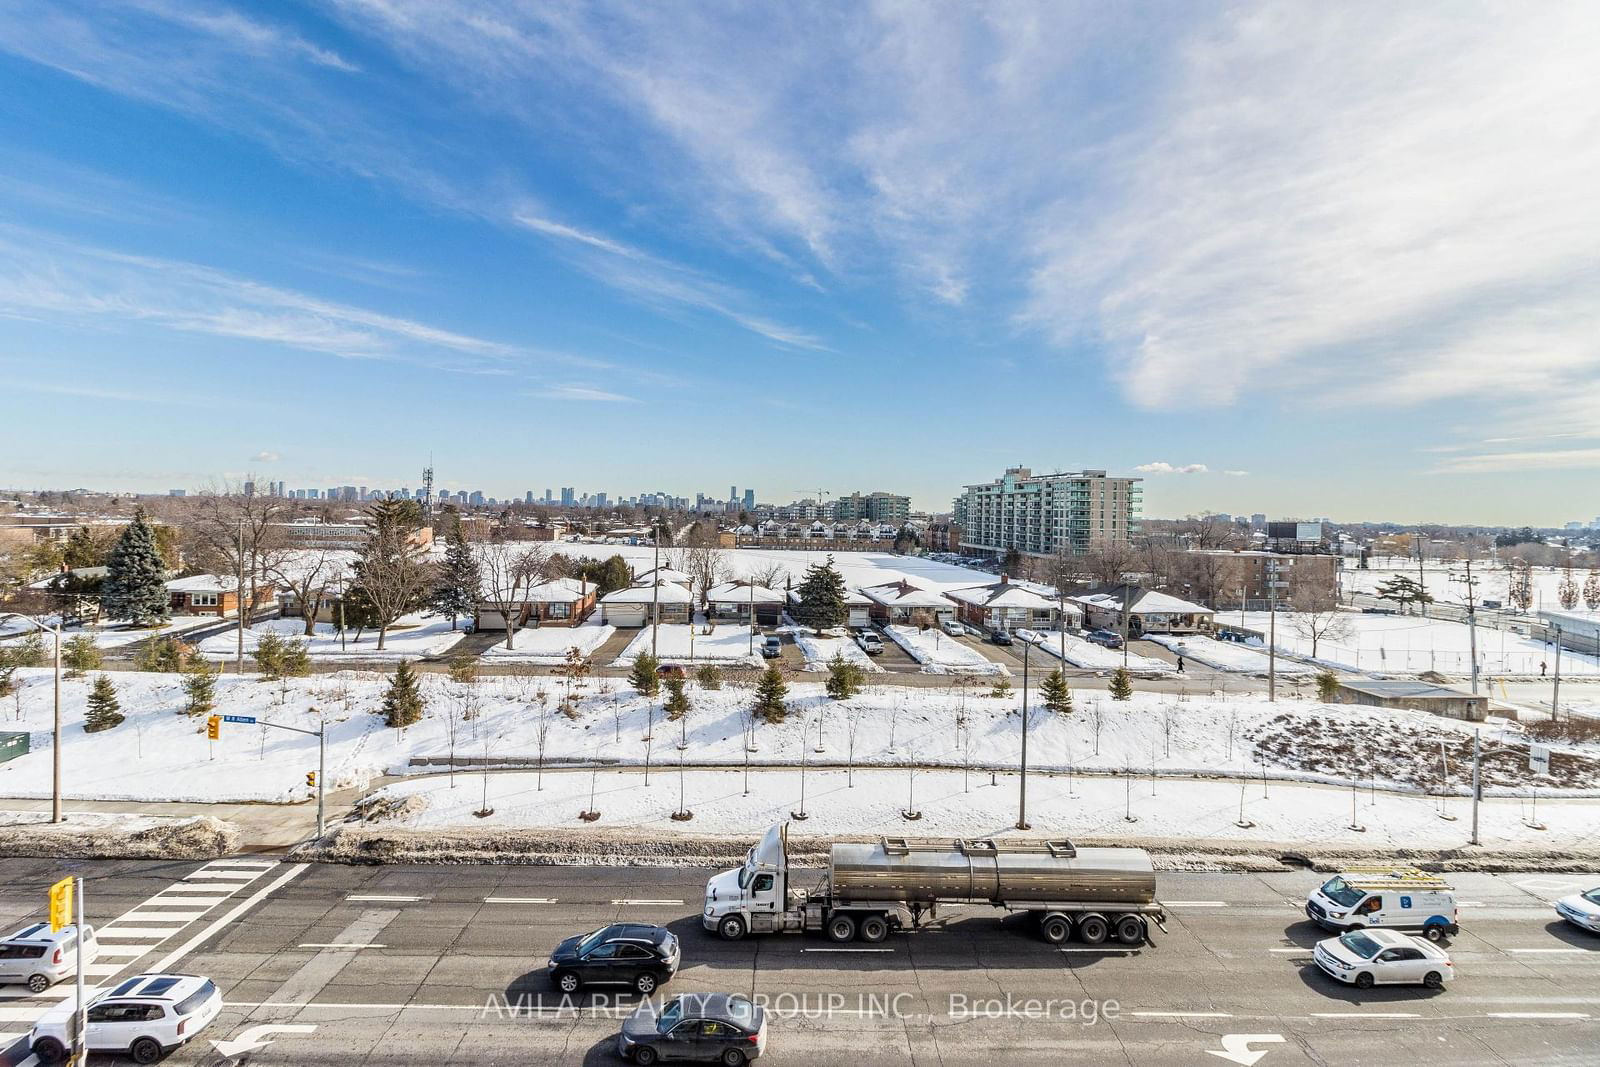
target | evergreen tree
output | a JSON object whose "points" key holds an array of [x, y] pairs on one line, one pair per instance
{"points": [[80, 655], [821, 593], [709, 676], [645, 676], [402, 704], [166, 655], [1001, 689], [1591, 591], [770, 693], [28, 652], [1405, 591], [845, 679], [459, 579], [1121, 684], [199, 689], [677, 704], [104, 712], [1057, 694], [1327, 686], [135, 586], [82, 550]]}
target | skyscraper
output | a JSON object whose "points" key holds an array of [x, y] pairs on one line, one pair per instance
{"points": [[749, 499]]}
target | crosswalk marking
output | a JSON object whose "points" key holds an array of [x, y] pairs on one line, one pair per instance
{"points": [[161, 918], [139, 933]]}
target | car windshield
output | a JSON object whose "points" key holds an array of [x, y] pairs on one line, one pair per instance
{"points": [[670, 1014], [194, 1000], [590, 940], [1592, 896], [1342, 893], [1360, 944]]}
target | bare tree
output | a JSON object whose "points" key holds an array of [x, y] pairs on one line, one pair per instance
{"points": [[238, 534], [1317, 617], [509, 571], [308, 575], [1097, 715], [770, 575], [1169, 719], [703, 562], [853, 715], [1110, 562], [1208, 531], [541, 734]]}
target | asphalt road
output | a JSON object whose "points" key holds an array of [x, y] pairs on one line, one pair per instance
{"points": [[431, 961]]}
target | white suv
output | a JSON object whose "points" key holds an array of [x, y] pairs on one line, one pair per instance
{"points": [[37, 958], [145, 1017]]}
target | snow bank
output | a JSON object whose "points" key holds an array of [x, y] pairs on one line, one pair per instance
{"points": [[1227, 655], [411, 637], [1081, 653], [725, 646], [548, 645], [939, 653], [819, 650], [101, 835]]}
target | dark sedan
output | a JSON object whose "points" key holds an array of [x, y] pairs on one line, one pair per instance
{"points": [[710, 1027], [631, 954], [1104, 638]]}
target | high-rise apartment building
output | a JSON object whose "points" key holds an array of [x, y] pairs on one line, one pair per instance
{"points": [[749, 499], [878, 507], [1047, 514]]}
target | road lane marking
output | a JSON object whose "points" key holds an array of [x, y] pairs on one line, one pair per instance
{"points": [[237, 910], [222, 876], [183, 902], [148, 918], [519, 900], [1289, 950], [843, 949], [1535, 1015], [223, 890], [374, 898], [262, 865], [1180, 1014], [343, 944], [661, 902], [138, 933], [1193, 903], [1549, 950], [1365, 1015]]}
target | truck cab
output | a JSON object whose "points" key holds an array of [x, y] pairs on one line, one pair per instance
{"points": [[754, 898], [1392, 898]]}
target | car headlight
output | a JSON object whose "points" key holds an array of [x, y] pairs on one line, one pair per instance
{"points": [[1335, 914], [708, 909]]}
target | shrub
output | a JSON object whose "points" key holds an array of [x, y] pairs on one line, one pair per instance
{"points": [[709, 676], [163, 655], [1001, 690], [80, 655], [645, 675], [1327, 686], [104, 711], [403, 703], [1121, 684], [677, 705], [199, 689], [463, 669]]}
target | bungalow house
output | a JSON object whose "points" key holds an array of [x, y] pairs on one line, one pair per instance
{"points": [[75, 593], [736, 600], [207, 594], [1005, 605], [857, 607], [1149, 612], [632, 606], [557, 602], [898, 602], [665, 574]]}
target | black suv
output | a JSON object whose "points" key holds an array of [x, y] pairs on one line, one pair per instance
{"points": [[630, 954]]}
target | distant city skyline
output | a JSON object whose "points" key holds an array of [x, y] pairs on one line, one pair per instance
{"points": [[1306, 260]]}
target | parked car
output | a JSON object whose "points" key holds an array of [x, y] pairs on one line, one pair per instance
{"points": [[37, 958], [1002, 637], [672, 670], [1104, 638], [1581, 909], [870, 643], [772, 647], [1365, 958], [721, 1028], [145, 1018], [631, 954], [954, 628]]}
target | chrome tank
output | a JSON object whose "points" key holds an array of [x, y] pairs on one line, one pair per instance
{"points": [[987, 872]]}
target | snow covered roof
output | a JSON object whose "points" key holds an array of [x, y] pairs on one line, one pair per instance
{"points": [[1005, 595], [555, 591], [204, 583], [664, 593], [852, 598], [666, 574], [1143, 602], [743, 593], [904, 595]]}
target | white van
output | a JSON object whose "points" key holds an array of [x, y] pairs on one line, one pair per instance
{"points": [[1393, 898], [38, 957]]}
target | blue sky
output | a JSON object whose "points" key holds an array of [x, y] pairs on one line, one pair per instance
{"points": [[1302, 259]]}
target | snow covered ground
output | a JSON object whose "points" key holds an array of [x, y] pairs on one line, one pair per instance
{"points": [[1492, 579], [1227, 655], [107, 635], [858, 568], [1081, 653], [939, 653], [725, 646], [548, 645], [819, 650], [410, 637], [1411, 644], [954, 805]]}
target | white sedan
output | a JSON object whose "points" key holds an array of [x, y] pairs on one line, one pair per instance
{"points": [[1581, 909], [1365, 958], [954, 629]]}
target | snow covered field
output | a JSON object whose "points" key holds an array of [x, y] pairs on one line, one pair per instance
{"points": [[725, 646], [1081, 653], [106, 635], [1493, 580], [548, 645], [968, 806], [858, 568], [409, 638], [1227, 655], [1411, 644], [939, 653]]}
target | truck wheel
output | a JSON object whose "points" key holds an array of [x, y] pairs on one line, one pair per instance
{"points": [[1130, 930], [874, 928], [49, 1050], [841, 928], [1434, 932], [1092, 929], [1056, 929], [731, 928]]}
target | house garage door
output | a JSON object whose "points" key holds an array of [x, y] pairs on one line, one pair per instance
{"points": [[625, 614]]}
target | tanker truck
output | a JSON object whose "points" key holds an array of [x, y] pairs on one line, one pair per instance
{"points": [[871, 889]]}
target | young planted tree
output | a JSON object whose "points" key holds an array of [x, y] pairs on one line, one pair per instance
{"points": [[1591, 591], [1567, 591], [845, 679], [1057, 694], [771, 690], [1327, 686], [677, 704], [645, 675], [390, 574], [80, 655], [459, 580], [165, 655], [1121, 686], [403, 703], [1001, 689], [709, 676], [199, 689], [822, 597], [573, 670], [135, 586], [463, 669], [104, 711]]}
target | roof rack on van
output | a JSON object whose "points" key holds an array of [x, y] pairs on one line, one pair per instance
{"points": [[1390, 877]]}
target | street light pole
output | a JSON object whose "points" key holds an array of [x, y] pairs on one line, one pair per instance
{"points": [[1022, 795], [1555, 693], [55, 754]]}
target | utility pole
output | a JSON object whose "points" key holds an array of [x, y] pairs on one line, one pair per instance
{"points": [[1555, 694], [322, 775], [1127, 607], [1421, 602], [1272, 641], [239, 657], [1472, 621], [1022, 795], [655, 589], [1477, 786]]}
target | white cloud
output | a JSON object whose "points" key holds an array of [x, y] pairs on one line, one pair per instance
{"points": [[264, 457], [1237, 474], [1168, 468], [1494, 462], [583, 392]]}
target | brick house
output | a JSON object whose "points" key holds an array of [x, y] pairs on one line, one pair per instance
{"points": [[208, 594], [1005, 605], [558, 602]]}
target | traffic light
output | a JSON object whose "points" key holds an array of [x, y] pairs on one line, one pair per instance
{"points": [[214, 728], [311, 779], [61, 904]]}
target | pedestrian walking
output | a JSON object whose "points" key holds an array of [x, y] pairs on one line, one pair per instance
{"points": [[1541, 668], [1180, 664]]}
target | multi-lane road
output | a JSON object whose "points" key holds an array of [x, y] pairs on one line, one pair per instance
{"points": [[325, 965]]}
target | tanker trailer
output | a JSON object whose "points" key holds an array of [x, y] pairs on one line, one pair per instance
{"points": [[871, 889]]}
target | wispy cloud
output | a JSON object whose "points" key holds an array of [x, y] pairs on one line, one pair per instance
{"points": [[1160, 467], [264, 457], [1237, 474], [584, 393], [1554, 459]]}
